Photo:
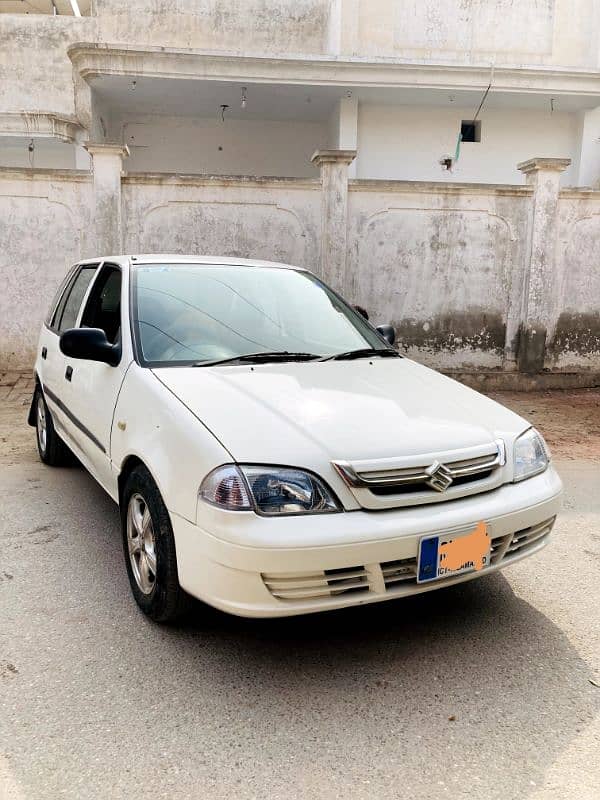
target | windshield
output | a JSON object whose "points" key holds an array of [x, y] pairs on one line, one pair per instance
{"points": [[189, 313]]}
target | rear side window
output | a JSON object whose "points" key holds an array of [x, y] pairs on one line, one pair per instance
{"points": [[66, 281], [70, 303], [103, 308]]}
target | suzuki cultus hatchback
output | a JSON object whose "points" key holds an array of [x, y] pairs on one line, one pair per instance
{"points": [[271, 452]]}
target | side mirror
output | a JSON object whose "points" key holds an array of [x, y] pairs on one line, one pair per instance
{"points": [[387, 332], [91, 344]]}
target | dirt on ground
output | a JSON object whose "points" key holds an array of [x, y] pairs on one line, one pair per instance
{"points": [[569, 420], [17, 438]]}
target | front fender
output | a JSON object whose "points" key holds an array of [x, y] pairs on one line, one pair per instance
{"points": [[152, 424]]}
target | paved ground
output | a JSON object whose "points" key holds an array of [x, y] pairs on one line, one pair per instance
{"points": [[490, 690]]}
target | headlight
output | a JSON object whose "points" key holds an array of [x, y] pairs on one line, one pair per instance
{"points": [[267, 490], [531, 455]]}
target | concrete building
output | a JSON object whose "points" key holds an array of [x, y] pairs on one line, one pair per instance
{"points": [[335, 134]]}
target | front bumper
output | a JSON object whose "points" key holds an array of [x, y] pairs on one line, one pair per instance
{"points": [[258, 567]]}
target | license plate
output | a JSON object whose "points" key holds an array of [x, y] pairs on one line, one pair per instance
{"points": [[448, 554]]}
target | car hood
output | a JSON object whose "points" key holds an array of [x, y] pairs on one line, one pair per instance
{"points": [[302, 414]]}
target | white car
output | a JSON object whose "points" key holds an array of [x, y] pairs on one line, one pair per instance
{"points": [[271, 452]]}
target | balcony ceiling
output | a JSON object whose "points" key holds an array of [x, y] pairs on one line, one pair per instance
{"points": [[195, 98]]}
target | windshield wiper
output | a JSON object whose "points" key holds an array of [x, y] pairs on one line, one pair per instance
{"points": [[366, 352], [259, 358]]}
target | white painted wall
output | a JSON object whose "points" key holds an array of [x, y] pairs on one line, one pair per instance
{"points": [[586, 166], [35, 71], [394, 143], [278, 220], [574, 338], [446, 264], [406, 143], [250, 147], [45, 225], [239, 26], [561, 32], [48, 153]]}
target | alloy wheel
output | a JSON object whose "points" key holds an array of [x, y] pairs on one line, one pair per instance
{"points": [[141, 543], [41, 424]]}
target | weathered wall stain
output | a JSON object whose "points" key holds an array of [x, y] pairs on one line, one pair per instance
{"points": [[531, 348], [451, 332], [577, 332]]}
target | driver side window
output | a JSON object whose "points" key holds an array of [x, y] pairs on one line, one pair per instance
{"points": [[103, 308]]}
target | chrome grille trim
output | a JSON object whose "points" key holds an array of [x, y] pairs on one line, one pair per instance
{"points": [[430, 477], [458, 468]]}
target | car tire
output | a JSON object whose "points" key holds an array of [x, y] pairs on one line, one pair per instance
{"points": [[53, 451], [149, 549]]}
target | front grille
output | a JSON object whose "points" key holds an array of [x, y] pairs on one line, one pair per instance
{"points": [[416, 477], [428, 478], [390, 576], [408, 488]]}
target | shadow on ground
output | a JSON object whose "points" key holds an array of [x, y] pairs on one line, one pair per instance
{"points": [[467, 691]]}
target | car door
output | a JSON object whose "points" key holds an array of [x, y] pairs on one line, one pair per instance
{"points": [[50, 364], [93, 387]]}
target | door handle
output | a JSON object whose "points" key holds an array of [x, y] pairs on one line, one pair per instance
{"points": [[69, 373], [44, 352]]}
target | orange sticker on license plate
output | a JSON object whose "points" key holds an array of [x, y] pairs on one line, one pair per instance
{"points": [[451, 554]]}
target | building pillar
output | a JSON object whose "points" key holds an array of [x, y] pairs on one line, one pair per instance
{"points": [[587, 162], [107, 166], [334, 213], [343, 127], [543, 174]]}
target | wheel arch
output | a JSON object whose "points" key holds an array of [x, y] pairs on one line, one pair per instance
{"points": [[127, 467]]}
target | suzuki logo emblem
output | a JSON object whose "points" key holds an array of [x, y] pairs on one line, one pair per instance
{"points": [[440, 476]]}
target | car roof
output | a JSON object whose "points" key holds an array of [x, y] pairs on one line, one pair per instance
{"points": [[176, 258]]}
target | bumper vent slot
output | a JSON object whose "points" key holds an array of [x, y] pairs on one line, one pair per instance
{"points": [[308, 586], [402, 571], [525, 539]]}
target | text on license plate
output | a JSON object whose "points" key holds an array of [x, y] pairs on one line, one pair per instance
{"points": [[450, 554]]}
